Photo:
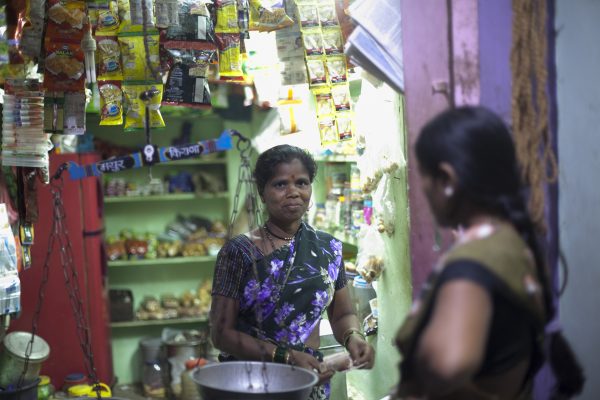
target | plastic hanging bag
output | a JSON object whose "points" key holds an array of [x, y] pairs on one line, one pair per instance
{"points": [[370, 258], [383, 202]]}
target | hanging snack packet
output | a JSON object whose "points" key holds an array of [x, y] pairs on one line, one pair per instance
{"points": [[230, 59], [111, 103], [54, 112], [136, 10], [74, 117], [316, 72], [327, 131], [33, 29], [67, 14], [135, 113], [344, 126], [307, 15], [227, 16], [167, 13], [108, 17], [336, 68], [324, 101], [327, 15], [187, 84], [268, 15], [109, 58], [332, 42], [195, 22], [64, 68], [341, 97], [313, 43], [134, 58], [124, 14], [3, 38]]}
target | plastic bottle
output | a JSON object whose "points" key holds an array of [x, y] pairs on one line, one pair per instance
{"points": [[368, 210], [152, 380], [189, 389]]}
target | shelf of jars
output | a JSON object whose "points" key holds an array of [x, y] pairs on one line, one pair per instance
{"points": [[154, 262], [158, 322]]}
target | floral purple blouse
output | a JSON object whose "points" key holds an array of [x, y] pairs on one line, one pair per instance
{"points": [[294, 285]]}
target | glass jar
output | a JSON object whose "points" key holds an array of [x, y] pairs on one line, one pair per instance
{"points": [[152, 380]]}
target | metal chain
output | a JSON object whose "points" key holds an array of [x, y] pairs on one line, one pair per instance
{"points": [[60, 234]]}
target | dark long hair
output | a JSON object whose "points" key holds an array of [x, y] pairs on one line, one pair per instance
{"points": [[268, 160], [478, 145]]}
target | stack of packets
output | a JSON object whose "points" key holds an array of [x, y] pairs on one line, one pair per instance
{"points": [[235, 18], [123, 67], [327, 70], [64, 69], [24, 143]]}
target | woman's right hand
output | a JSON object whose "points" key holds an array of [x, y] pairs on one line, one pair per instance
{"points": [[305, 360]]}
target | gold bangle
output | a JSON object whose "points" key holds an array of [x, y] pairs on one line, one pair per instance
{"points": [[287, 356], [349, 334], [273, 354]]}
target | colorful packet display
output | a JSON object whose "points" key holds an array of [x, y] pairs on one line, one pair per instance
{"points": [[332, 42], [316, 72], [268, 15], [341, 97], [344, 123], [227, 16], [135, 113], [336, 70], [111, 103], [327, 14], [308, 16], [187, 84], [313, 43], [328, 131], [124, 14], [324, 102], [194, 22], [64, 69], [133, 55], [230, 59], [108, 56]]}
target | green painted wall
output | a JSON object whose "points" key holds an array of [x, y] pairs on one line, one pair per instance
{"points": [[394, 290]]}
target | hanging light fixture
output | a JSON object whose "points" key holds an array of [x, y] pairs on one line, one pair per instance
{"points": [[88, 46]]}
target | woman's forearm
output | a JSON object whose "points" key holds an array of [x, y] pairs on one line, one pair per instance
{"points": [[343, 324], [243, 346]]}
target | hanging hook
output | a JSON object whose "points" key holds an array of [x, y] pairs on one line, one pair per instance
{"points": [[59, 171]]}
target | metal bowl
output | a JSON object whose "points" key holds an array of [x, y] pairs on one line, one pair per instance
{"points": [[248, 380]]}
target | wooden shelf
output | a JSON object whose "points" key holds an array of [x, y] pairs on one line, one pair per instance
{"points": [[157, 322], [336, 158], [166, 197], [161, 261]]}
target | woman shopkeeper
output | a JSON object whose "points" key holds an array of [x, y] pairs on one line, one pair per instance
{"points": [[300, 276]]}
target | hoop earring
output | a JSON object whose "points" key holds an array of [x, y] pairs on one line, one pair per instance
{"points": [[309, 206], [448, 191]]}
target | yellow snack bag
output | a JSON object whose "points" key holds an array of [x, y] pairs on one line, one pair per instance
{"points": [[108, 54], [230, 58], [227, 16], [328, 131], [268, 15], [344, 124], [133, 55], [111, 103], [135, 113]]}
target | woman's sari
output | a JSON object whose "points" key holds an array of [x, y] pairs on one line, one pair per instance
{"points": [[283, 299]]}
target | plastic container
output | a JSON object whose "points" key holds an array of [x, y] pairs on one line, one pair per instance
{"points": [[12, 358], [361, 294], [86, 390], [153, 380], [189, 389], [45, 388], [76, 378], [152, 349]]}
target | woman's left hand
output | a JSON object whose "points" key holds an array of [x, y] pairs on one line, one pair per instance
{"points": [[362, 353]]}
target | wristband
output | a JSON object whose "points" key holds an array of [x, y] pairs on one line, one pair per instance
{"points": [[351, 332]]}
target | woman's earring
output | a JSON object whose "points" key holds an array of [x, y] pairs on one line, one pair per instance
{"points": [[448, 191], [309, 206]]}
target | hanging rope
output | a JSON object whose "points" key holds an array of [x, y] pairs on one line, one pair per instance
{"points": [[530, 102]]}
